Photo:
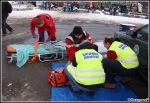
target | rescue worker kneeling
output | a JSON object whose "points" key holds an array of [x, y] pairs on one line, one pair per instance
{"points": [[121, 59], [85, 72]]}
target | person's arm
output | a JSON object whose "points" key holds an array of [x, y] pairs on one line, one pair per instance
{"points": [[70, 49], [74, 63], [32, 26], [111, 55], [51, 27], [89, 38]]}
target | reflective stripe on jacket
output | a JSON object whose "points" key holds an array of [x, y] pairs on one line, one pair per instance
{"points": [[125, 55], [72, 43], [89, 70]]}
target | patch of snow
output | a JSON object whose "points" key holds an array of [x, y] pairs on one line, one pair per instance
{"points": [[10, 84], [99, 18]]}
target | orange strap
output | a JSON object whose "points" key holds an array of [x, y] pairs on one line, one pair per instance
{"points": [[35, 53]]}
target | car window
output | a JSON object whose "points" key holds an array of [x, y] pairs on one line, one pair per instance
{"points": [[143, 33]]}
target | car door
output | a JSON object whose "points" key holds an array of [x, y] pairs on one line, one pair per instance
{"points": [[139, 43], [141, 49]]}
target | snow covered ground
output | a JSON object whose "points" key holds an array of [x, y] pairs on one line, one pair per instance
{"points": [[79, 17], [82, 17]]}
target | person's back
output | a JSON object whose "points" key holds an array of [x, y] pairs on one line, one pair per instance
{"points": [[69, 7], [121, 59], [43, 3], [64, 6], [88, 70], [72, 5], [49, 5], [89, 59], [6, 9], [123, 53], [44, 22]]}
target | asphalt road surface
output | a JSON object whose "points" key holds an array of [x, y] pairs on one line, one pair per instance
{"points": [[29, 82]]}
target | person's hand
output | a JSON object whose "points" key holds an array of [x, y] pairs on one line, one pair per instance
{"points": [[86, 40], [34, 36], [48, 40], [69, 62], [59, 70]]}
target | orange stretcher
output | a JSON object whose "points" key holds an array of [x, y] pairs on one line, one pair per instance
{"points": [[11, 53]]}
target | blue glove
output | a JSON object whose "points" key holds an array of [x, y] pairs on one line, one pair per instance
{"points": [[48, 40], [34, 36]]}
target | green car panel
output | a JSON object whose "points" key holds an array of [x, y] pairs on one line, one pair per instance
{"points": [[138, 41]]}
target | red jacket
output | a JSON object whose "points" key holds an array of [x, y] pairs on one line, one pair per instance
{"points": [[111, 54], [49, 25], [72, 44]]}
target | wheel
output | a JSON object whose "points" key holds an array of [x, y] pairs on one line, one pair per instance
{"points": [[9, 61]]}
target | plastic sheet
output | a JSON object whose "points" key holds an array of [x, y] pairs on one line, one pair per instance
{"points": [[121, 93]]}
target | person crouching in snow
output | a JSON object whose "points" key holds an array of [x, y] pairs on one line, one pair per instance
{"points": [[86, 72], [44, 22]]}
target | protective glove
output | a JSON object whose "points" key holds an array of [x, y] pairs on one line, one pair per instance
{"points": [[34, 36], [48, 40], [69, 62]]}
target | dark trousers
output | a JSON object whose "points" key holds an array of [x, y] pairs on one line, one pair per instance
{"points": [[114, 12], [114, 66], [5, 25], [42, 37], [64, 9]]}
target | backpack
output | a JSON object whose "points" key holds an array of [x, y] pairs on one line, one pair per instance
{"points": [[57, 79]]}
